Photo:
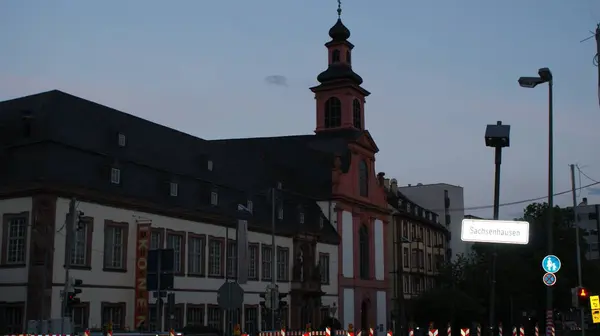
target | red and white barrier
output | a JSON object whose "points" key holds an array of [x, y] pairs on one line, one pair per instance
{"points": [[521, 331], [478, 329], [389, 333], [514, 333], [449, 330], [537, 330], [465, 332], [500, 332], [411, 332], [433, 332]]}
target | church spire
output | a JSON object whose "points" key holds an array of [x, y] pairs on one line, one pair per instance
{"points": [[336, 109]]}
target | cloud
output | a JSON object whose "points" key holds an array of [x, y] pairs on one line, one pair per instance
{"points": [[593, 191], [278, 80]]}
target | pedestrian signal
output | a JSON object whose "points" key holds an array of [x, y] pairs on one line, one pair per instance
{"points": [[582, 292]]}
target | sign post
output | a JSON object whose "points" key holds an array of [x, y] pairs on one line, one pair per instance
{"points": [[494, 231]]}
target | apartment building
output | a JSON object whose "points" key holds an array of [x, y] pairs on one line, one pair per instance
{"points": [[418, 245], [588, 219], [446, 200]]}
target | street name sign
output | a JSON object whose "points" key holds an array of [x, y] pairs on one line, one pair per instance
{"points": [[551, 264], [494, 231]]}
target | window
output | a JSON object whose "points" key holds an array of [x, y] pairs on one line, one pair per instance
{"points": [[209, 165], [115, 245], [173, 189], [122, 140], [267, 262], [356, 114], [194, 315], [324, 267], [251, 320], [214, 317], [364, 252], [283, 259], [231, 316], [421, 259], [115, 176], [82, 247], [413, 232], [414, 259], [14, 314], [420, 234], [301, 217], [363, 178], [177, 320], [215, 249], [115, 314], [80, 316], [152, 317], [405, 229], [280, 212], [333, 113], [253, 261], [232, 259], [214, 197], [429, 262], [406, 284], [156, 241], [250, 206], [335, 56], [175, 242], [405, 257], [196, 251], [279, 185], [428, 235], [15, 236], [283, 318]]}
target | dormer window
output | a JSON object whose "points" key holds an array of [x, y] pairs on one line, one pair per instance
{"points": [[408, 207], [209, 165], [214, 197], [301, 217], [122, 140], [280, 212], [399, 203], [115, 176], [250, 206], [173, 189]]}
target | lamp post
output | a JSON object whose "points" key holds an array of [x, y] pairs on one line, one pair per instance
{"points": [[545, 76], [496, 136]]}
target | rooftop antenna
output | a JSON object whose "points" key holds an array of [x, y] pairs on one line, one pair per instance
{"points": [[339, 10], [596, 59]]}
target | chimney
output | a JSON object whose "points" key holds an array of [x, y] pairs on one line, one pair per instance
{"points": [[381, 178], [386, 183], [394, 186], [584, 202]]}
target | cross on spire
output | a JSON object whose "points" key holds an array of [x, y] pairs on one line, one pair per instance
{"points": [[339, 9]]}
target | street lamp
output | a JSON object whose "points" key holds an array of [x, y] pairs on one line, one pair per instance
{"points": [[496, 136], [545, 76]]}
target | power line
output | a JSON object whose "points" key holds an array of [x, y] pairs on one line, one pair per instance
{"points": [[585, 175]]}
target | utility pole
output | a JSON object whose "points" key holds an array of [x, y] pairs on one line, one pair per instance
{"points": [[274, 249], [578, 247], [70, 226]]}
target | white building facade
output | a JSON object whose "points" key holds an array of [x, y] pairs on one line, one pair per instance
{"points": [[448, 202], [588, 219], [105, 257]]}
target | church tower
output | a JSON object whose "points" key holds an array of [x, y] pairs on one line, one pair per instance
{"points": [[339, 96]]}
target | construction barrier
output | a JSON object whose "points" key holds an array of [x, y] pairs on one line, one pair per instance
{"points": [[411, 332], [537, 330], [514, 333], [521, 331], [465, 332], [478, 329], [433, 332], [500, 333]]}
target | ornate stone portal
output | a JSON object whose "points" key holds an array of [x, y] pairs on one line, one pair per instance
{"points": [[306, 293]]}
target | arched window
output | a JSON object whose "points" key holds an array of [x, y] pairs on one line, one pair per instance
{"points": [[363, 179], [333, 112], [348, 57], [363, 252], [335, 56], [356, 113]]}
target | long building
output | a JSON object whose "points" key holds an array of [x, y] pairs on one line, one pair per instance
{"points": [[128, 175]]}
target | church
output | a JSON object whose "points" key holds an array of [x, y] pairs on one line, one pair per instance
{"points": [[330, 211]]}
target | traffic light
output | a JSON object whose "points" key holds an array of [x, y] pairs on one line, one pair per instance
{"points": [[282, 304], [581, 296], [72, 298]]}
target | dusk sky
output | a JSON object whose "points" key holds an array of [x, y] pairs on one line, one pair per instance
{"points": [[439, 72]]}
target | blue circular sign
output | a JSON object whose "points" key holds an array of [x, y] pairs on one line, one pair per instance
{"points": [[549, 279], [551, 264]]}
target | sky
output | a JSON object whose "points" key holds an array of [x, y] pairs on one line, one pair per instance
{"points": [[439, 72]]}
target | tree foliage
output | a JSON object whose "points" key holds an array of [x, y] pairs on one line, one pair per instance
{"points": [[519, 286]]}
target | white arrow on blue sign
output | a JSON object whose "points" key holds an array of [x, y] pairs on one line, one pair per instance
{"points": [[551, 264]]}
